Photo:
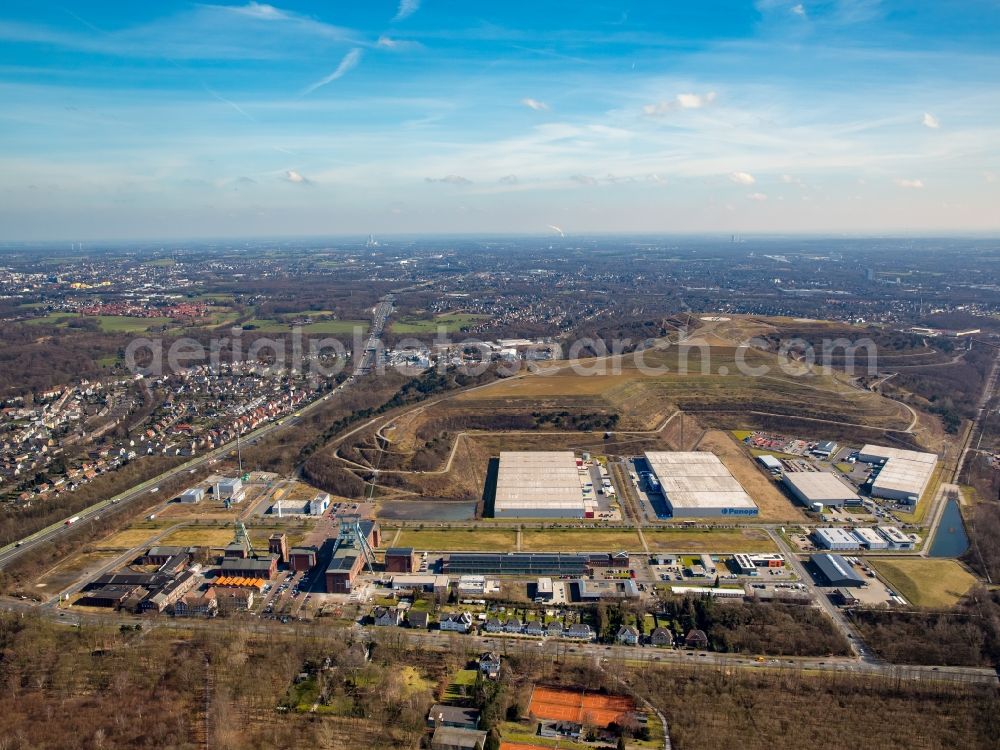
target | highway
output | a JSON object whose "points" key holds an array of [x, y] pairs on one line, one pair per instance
{"points": [[56, 530]]}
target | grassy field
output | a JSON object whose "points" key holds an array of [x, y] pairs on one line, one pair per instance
{"points": [[926, 582], [272, 325], [109, 323], [580, 540], [471, 540], [452, 322], [126, 539], [707, 540]]}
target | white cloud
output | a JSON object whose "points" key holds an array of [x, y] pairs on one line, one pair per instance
{"points": [[450, 179], [910, 184], [799, 10], [534, 104], [681, 101], [757, 197], [297, 177], [583, 179], [742, 178], [258, 10], [346, 65], [990, 176], [510, 179], [930, 121], [406, 9]]}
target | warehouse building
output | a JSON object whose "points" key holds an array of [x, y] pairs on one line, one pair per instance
{"points": [[192, 495], [896, 538], [834, 537], [230, 490], [870, 539], [822, 487], [542, 484], [697, 484], [770, 463], [516, 564], [836, 571], [903, 475]]}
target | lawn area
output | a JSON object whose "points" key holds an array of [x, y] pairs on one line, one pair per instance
{"points": [[926, 582], [708, 540], [461, 685], [452, 322], [412, 680], [580, 540], [469, 540]]}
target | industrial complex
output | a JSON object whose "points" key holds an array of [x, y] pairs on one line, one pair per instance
{"points": [[697, 484]]}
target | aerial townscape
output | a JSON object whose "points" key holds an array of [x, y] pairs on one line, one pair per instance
{"points": [[509, 378]]}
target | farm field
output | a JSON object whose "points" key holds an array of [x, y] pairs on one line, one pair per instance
{"points": [[708, 540], [926, 582], [580, 540], [467, 540]]}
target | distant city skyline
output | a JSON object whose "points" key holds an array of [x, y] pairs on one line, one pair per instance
{"points": [[180, 119]]}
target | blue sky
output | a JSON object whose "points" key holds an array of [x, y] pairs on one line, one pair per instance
{"points": [[185, 119]]}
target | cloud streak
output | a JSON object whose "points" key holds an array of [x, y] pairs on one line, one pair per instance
{"points": [[347, 64], [535, 104], [406, 9], [681, 101]]}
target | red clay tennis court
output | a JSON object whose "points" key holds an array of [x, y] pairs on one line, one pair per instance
{"points": [[580, 707]]}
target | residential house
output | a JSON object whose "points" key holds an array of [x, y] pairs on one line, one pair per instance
{"points": [[513, 625], [554, 629], [418, 620], [628, 635], [534, 629], [580, 632], [387, 616], [661, 637], [457, 622], [493, 625], [696, 639], [489, 664]]}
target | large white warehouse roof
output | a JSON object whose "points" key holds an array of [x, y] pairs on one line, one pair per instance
{"points": [[905, 472], [820, 487], [697, 479], [538, 479]]}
